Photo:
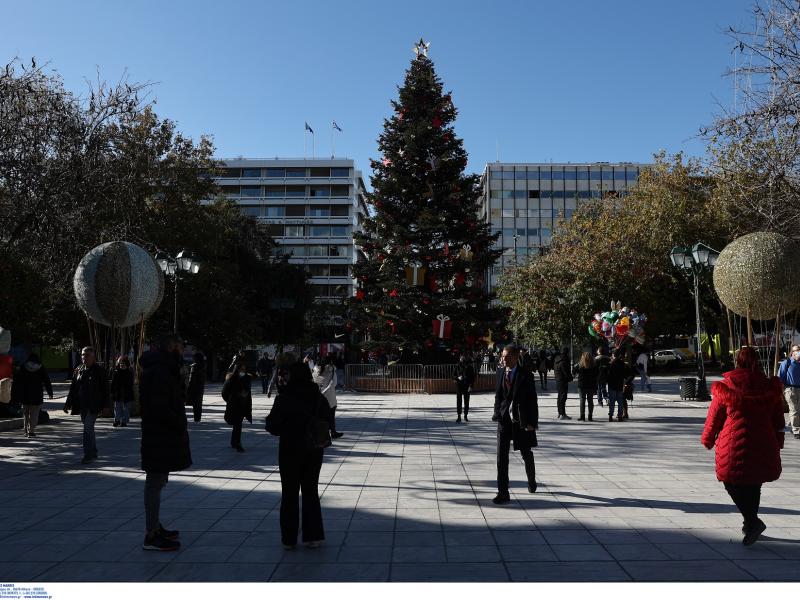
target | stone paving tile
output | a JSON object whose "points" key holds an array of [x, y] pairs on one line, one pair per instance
{"points": [[240, 571], [771, 570], [700, 570], [365, 554], [626, 552], [23, 571], [566, 571], [527, 553], [473, 554], [331, 572], [98, 572], [449, 572], [421, 554]]}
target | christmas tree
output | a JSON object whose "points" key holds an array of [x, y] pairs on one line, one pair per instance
{"points": [[422, 287]]}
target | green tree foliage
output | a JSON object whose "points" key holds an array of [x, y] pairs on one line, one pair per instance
{"points": [[76, 172], [425, 213], [619, 249]]}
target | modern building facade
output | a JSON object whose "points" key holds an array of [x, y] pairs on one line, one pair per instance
{"points": [[524, 201], [311, 207]]}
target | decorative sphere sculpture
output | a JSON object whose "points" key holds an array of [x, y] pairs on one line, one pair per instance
{"points": [[118, 284], [759, 271]]}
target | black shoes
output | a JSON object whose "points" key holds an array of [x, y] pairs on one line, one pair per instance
{"points": [[168, 534], [116, 423], [87, 459], [466, 418], [797, 436], [591, 419], [160, 543], [532, 487], [124, 424], [502, 498], [458, 419], [565, 417], [610, 418], [239, 448], [336, 435], [753, 533], [581, 419]]}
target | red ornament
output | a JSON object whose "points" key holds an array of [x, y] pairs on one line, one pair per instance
{"points": [[386, 162], [429, 343], [392, 326], [459, 279], [360, 294], [436, 122], [393, 294], [381, 257], [426, 301]]}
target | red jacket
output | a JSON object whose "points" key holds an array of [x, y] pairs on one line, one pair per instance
{"points": [[745, 421]]}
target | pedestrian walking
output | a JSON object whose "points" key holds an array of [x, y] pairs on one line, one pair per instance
{"points": [[587, 372], [464, 375], [197, 385], [516, 411], [325, 377], [789, 374], [27, 389], [642, 362], [122, 391], [543, 368], [745, 422], [562, 372], [525, 360], [339, 364], [264, 371], [236, 391], [165, 434], [603, 362], [618, 372], [298, 406], [87, 397]]}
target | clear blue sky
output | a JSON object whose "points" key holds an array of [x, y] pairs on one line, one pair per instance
{"points": [[560, 80]]}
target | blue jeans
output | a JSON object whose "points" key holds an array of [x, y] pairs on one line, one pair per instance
{"points": [[602, 392], [89, 441], [122, 411], [615, 397], [644, 380]]}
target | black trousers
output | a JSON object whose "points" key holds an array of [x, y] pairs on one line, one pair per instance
{"points": [[543, 379], [747, 499], [299, 471], [563, 388], [153, 484], [333, 419], [462, 393], [197, 407], [587, 398], [505, 434], [236, 432], [265, 383]]}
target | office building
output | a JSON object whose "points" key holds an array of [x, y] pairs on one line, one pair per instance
{"points": [[524, 201], [311, 207]]}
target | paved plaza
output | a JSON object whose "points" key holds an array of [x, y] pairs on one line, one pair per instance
{"points": [[406, 496]]}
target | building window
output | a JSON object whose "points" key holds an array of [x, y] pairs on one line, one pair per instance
{"points": [[320, 191], [295, 210], [320, 230], [295, 250], [276, 211], [319, 211], [339, 231], [340, 172], [339, 271], [295, 171], [294, 231], [295, 191], [276, 172], [583, 175], [231, 172], [251, 211], [320, 172], [317, 270], [317, 250], [251, 172], [231, 190], [340, 191], [520, 174], [274, 191], [251, 191], [340, 211], [275, 230], [533, 193]]}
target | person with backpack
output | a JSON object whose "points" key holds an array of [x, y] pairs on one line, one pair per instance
{"points": [[238, 396], [298, 410], [587, 383], [27, 389], [122, 391], [563, 375]]}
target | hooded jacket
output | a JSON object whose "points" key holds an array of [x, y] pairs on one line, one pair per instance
{"points": [[745, 422], [165, 435], [29, 384]]}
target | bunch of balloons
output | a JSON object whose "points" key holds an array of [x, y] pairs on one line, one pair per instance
{"points": [[619, 326]]}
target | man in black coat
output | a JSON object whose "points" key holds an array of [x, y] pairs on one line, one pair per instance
{"points": [[165, 435], [465, 379], [87, 397], [516, 411], [264, 371], [562, 370]]}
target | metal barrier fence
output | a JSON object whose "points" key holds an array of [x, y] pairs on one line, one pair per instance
{"points": [[412, 379]]}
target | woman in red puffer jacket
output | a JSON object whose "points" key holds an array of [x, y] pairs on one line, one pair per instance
{"points": [[745, 421]]}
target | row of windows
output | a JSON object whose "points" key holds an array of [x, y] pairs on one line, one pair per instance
{"points": [[328, 270], [557, 194], [569, 173], [286, 172], [531, 216], [341, 291], [297, 210], [287, 191], [276, 230], [318, 251]]}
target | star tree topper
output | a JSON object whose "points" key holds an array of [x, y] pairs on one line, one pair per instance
{"points": [[421, 47]]}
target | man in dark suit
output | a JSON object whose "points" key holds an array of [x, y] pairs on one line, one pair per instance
{"points": [[516, 411]]}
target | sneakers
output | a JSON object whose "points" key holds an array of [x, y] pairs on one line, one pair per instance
{"points": [[566, 417], [336, 435], [169, 534], [753, 533], [160, 543], [501, 498]]}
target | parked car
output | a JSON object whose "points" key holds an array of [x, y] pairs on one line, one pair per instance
{"points": [[668, 358]]}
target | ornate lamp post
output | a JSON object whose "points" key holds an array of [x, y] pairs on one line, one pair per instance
{"points": [[696, 260], [184, 262]]}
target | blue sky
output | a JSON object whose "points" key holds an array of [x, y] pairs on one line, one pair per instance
{"points": [[561, 80]]}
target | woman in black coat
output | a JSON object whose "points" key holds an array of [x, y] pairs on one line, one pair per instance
{"points": [[197, 385], [298, 403], [122, 391], [238, 400], [587, 373], [27, 388]]}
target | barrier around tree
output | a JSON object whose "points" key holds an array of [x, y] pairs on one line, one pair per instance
{"points": [[412, 379]]}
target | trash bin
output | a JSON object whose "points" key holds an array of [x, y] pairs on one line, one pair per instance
{"points": [[688, 386]]}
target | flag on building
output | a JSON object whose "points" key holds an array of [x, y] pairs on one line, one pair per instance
{"points": [[308, 128]]}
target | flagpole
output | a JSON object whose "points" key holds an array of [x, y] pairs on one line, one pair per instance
{"points": [[313, 145], [305, 145], [333, 148]]}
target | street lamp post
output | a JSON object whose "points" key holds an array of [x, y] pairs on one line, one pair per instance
{"points": [[184, 262], [696, 260]]}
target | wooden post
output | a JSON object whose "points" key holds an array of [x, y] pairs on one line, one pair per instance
{"points": [[730, 330], [777, 342], [749, 328]]}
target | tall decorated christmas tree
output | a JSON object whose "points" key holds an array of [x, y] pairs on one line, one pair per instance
{"points": [[422, 287]]}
